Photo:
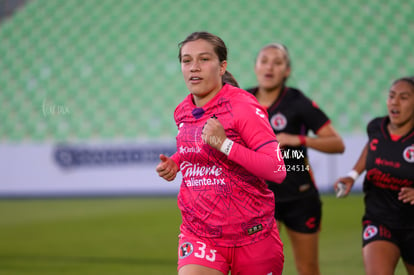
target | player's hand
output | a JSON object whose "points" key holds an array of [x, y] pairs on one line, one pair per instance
{"points": [[167, 168], [288, 140], [348, 181], [213, 133], [406, 195]]}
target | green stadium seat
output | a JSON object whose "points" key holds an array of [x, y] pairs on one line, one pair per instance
{"points": [[114, 63]]}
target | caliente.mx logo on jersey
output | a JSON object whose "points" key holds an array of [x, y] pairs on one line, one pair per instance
{"points": [[278, 122]]}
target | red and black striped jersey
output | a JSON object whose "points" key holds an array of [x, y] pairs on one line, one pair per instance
{"points": [[389, 167]]}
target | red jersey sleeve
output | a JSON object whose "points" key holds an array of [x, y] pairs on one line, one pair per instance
{"points": [[261, 156], [176, 158], [265, 163]]}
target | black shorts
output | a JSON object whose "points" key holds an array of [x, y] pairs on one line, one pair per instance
{"points": [[402, 238], [303, 215]]}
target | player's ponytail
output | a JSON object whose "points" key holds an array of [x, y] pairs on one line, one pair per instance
{"points": [[229, 79]]}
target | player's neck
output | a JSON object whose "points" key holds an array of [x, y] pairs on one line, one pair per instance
{"points": [[400, 130], [267, 97], [203, 99]]}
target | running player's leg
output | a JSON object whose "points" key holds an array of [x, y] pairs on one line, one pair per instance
{"points": [[407, 249], [380, 257], [302, 223], [192, 269], [305, 251], [380, 250]]}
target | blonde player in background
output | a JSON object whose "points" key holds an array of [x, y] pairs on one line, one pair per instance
{"points": [[292, 115]]}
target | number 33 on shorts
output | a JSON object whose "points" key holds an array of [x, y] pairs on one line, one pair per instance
{"points": [[187, 248]]}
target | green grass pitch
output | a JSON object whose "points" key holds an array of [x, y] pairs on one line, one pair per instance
{"points": [[139, 236]]}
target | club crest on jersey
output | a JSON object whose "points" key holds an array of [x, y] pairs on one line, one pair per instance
{"points": [[185, 250], [278, 121], [408, 154], [369, 232]]}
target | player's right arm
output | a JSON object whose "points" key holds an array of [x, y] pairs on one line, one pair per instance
{"points": [[359, 167], [168, 167]]}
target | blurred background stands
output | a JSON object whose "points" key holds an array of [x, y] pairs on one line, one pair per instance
{"points": [[107, 69]]}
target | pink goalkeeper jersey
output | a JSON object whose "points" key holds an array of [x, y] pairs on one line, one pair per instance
{"points": [[218, 198]]}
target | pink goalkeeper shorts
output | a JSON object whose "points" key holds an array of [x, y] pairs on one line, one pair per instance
{"points": [[261, 258]]}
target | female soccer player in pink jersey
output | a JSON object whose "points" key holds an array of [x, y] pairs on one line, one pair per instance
{"points": [[225, 151], [388, 159]]}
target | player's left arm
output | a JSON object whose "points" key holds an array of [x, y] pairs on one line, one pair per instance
{"points": [[262, 156], [327, 139]]}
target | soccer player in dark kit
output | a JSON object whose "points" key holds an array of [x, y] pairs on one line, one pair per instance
{"points": [[388, 159], [291, 116]]}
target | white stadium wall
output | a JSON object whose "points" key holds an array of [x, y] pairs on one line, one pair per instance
{"points": [[49, 170], [82, 170]]}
